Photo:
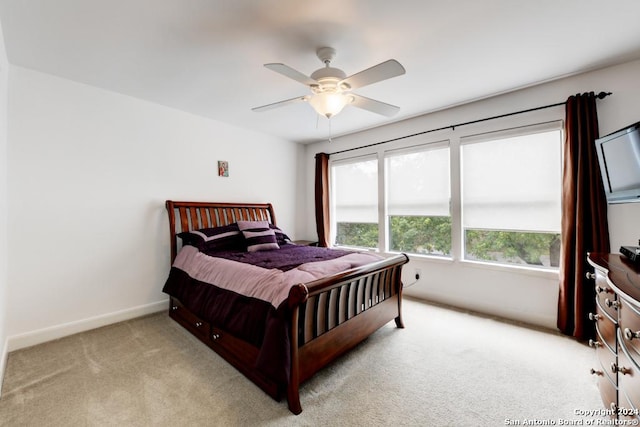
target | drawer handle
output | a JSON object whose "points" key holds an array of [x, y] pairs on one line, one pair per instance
{"points": [[215, 336], [609, 303], [198, 324], [594, 344], [594, 372], [174, 307], [590, 275], [629, 334], [594, 317], [600, 289], [615, 368]]}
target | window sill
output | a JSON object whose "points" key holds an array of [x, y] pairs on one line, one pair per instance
{"points": [[424, 257], [512, 269], [356, 248]]}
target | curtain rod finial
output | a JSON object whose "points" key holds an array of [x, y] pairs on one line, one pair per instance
{"points": [[603, 95]]}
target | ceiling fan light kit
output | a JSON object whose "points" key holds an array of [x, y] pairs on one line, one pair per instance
{"points": [[329, 104], [331, 88]]}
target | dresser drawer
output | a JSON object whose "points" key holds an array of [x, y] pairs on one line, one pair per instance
{"points": [[617, 288], [608, 392], [606, 359], [628, 374], [605, 297], [630, 327], [626, 410], [606, 332]]}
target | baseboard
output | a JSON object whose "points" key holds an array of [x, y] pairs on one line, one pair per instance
{"points": [[4, 354], [40, 336]]}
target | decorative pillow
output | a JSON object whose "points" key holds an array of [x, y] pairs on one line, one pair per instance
{"points": [[227, 237], [258, 235], [281, 238]]}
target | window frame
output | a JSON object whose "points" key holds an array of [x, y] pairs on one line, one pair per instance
{"points": [[479, 138], [418, 148], [332, 211], [454, 135]]}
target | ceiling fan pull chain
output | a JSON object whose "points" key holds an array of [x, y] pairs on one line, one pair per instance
{"points": [[330, 140]]}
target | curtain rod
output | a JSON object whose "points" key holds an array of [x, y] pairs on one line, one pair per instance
{"points": [[600, 95]]}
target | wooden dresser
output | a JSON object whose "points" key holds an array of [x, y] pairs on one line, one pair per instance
{"points": [[617, 344]]}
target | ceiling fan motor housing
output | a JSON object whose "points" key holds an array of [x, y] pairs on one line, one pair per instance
{"points": [[328, 78]]}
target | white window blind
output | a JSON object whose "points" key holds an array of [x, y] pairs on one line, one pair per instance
{"points": [[355, 191], [512, 182], [418, 182]]}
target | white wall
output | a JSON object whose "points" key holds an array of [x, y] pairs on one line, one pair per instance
{"points": [[89, 171], [4, 77], [525, 296]]}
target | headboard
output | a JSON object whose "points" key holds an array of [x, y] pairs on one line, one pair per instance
{"points": [[186, 216]]}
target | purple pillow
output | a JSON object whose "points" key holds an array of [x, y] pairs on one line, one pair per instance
{"points": [[258, 236], [227, 237], [281, 237]]}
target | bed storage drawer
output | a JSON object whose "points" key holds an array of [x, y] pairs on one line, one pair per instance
{"points": [[236, 351], [242, 355], [187, 319]]}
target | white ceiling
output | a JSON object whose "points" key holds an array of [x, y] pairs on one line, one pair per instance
{"points": [[206, 56]]}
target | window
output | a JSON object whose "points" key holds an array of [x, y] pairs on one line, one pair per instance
{"points": [[492, 197], [511, 196], [355, 202], [418, 193]]}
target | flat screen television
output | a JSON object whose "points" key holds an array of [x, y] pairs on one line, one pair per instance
{"points": [[619, 157]]}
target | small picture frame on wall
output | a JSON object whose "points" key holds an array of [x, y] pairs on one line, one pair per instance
{"points": [[223, 168]]}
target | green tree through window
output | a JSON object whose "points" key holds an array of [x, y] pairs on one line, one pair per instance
{"points": [[364, 235], [540, 249], [420, 234]]}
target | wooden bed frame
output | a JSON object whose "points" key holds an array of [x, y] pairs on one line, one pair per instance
{"points": [[331, 315]]}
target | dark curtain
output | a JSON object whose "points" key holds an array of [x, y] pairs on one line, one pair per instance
{"points": [[584, 216], [323, 225]]}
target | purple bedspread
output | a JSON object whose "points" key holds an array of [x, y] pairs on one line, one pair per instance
{"points": [[245, 293], [287, 257]]}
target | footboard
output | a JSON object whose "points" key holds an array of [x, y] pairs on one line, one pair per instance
{"points": [[332, 315]]}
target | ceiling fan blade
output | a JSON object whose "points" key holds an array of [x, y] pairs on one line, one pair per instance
{"points": [[382, 71], [374, 106], [280, 103], [287, 71]]}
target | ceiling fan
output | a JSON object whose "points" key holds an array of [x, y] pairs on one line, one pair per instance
{"points": [[331, 88]]}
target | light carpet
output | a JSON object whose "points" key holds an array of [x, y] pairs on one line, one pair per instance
{"points": [[446, 368]]}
